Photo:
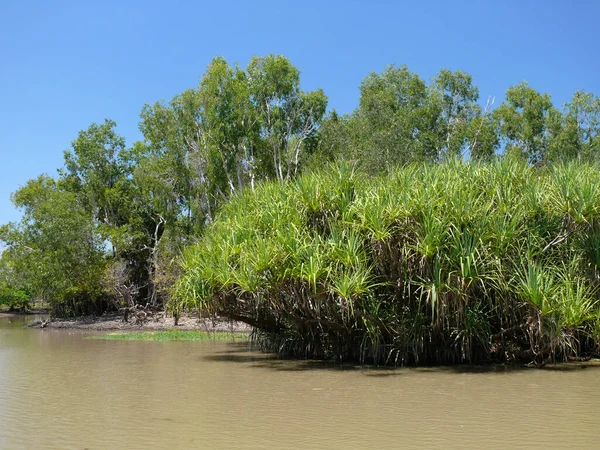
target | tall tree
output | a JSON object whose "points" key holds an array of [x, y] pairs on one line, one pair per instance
{"points": [[575, 133], [454, 97], [97, 169], [173, 156], [288, 116], [523, 119], [390, 125], [230, 124], [400, 119], [236, 128]]}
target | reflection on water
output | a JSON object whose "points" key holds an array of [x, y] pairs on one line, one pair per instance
{"points": [[59, 390]]}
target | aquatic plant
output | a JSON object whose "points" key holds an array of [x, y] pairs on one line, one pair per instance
{"points": [[170, 336]]}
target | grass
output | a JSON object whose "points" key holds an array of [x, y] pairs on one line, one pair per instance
{"points": [[171, 336], [448, 263]]}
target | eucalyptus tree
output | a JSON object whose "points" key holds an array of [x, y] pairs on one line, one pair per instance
{"points": [[238, 126], [461, 124], [288, 116], [189, 143], [401, 119], [524, 119], [174, 178], [131, 197], [231, 126], [171, 158], [389, 126], [576, 131], [160, 206], [209, 143], [335, 139], [98, 172], [482, 135]]}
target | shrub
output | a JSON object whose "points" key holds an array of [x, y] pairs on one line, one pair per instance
{"points": [[450, 263], [14, 299]]}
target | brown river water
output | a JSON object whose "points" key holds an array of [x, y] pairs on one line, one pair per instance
{"points": [[59, 390]]}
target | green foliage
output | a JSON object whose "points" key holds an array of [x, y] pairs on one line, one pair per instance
{"points": [[237, 128], [400, 119], [108, 232], [576, 132], [97, 171], [14, 298], [54, 253], [430, 263], [523, 119]]}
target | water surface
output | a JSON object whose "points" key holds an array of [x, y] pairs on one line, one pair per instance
{"points": [[61, 391]]}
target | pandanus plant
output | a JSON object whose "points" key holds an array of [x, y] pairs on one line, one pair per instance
{"points": [[448, 263]]}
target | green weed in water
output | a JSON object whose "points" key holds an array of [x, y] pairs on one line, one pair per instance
{"points": [[170, 336]]}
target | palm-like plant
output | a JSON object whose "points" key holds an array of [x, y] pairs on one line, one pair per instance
{"points": [[430, 263]]}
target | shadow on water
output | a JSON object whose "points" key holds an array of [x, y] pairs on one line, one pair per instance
{"points": [[19, 320], [244, 353]]}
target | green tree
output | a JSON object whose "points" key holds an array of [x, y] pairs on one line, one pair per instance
{"points": [[575, 133], [390, 125], [400, 119], [335, 140], [55, 248], [15, 292], [97, 170], [454, 97], [523, 120], [238, 127], [289, 117], [174, 157], [230, 125], [483, 139]]}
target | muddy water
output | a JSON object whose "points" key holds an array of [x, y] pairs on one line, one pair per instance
{"points": [[61, 391]]}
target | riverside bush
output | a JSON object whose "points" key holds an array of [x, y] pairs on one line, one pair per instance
{"points": [[14, 299], [428, 264]]}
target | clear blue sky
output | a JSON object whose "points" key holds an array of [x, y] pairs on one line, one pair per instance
{"points": [[66, 64]]}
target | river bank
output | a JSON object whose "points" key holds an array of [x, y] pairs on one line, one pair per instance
{"points": [[114, 322]]}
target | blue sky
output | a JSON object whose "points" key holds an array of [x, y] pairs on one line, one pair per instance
{"points": [[66, 64]]}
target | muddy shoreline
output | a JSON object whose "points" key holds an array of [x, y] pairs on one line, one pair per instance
{"points": [[114, 322]]}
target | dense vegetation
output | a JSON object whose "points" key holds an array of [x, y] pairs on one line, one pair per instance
{"points": [[428, 264], [104, 233], [107, 232]]}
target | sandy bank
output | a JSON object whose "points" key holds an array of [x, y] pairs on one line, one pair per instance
{"points": [[158, 323]]}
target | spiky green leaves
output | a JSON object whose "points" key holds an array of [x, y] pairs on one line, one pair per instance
{"points": [[452, 262]]}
